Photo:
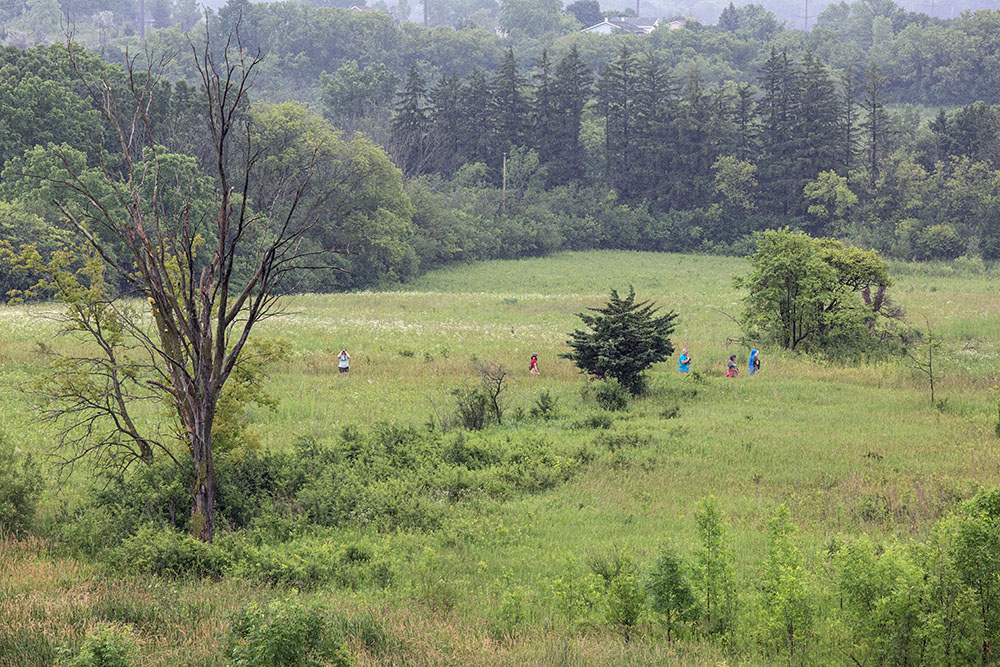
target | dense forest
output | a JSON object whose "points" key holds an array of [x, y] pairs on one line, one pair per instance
{"points": [[878, 126]]}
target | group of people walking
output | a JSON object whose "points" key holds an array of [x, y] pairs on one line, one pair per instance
{"points": [[732, 368], [683, 366]]}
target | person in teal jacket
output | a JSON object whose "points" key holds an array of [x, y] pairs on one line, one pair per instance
{"points": [[753, 366], [684, 362]]}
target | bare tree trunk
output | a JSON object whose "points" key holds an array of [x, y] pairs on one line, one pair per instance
{"points": [[204, 484]]}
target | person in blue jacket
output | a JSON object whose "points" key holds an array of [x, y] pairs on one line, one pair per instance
{"points": [[684, 362], [754, 363]]}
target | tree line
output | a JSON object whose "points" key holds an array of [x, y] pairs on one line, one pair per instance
{"points": [[806, 146]]}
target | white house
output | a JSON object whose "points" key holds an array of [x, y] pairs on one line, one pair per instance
{"points": [[630, 24]]}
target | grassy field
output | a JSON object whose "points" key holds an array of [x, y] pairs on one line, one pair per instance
{"points": [[855, 448]]}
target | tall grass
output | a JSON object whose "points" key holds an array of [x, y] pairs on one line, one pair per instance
{"points": [[849, 448]]}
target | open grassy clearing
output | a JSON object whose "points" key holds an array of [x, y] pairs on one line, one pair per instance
{"points": [[849, 449]]}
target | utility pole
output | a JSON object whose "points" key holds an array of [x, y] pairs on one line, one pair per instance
{"points": [[806, 17], [425, 13], [142, 20], [637, 8]]}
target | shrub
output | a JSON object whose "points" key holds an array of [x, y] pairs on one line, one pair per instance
{"points": [[938, 242], [20, 486], [369, 632], [310, 562], [164, 551], [787, 601], [624, 598], [545, 406], [509, 616], [599, 420], [713, 566], [284, 633], [471, 407], [610, 395], [109, 646]]}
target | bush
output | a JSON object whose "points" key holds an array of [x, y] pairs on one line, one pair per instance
{"points": [[938, 242], [471, 407], [164, 551], [20, 486], [284, 633], [110, 646], [610, 395], [311, 562], [599, 420], [545, 406], [624, 598]]}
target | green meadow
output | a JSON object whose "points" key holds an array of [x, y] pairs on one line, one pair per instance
{"points": [[849, 447]]}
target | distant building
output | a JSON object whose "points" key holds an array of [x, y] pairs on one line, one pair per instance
{"points": [[631, 25]]}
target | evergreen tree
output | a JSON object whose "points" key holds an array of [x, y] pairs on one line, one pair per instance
{"points": [[817, 126], [410, 125], [475, 116], [508, 109], [745, 120], [653, 114], [571, 91], [848, 120], [695, 148], [543, 111], [616, 94], [778, 110], [623, 339], [729, 19], [446, 124], [875, 124]]}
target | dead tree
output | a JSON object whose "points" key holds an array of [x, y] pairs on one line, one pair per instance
{"points": [[206, 292]]}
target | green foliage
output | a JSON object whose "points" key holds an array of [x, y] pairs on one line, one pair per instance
{"points": [[623, 340], [472, 407], [164, 551], [881, 590], [109, 646], [545, 407], [806, 293], [576, 594], [308, 563], [670, 592], [938, 242], [788, 601], [610, 395], [287, 633], [20, 488], [510, 615], [713, 573], [624, 597]]}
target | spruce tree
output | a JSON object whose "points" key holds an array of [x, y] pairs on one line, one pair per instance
{"points": [[848, 120], [475, 115], [446, 124], [778, 109], [653, 113], [543, 131], [875, 124], [571, 91], [622, 340], [410, 124], [819, 110], [508, 109], [616, 95]]}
